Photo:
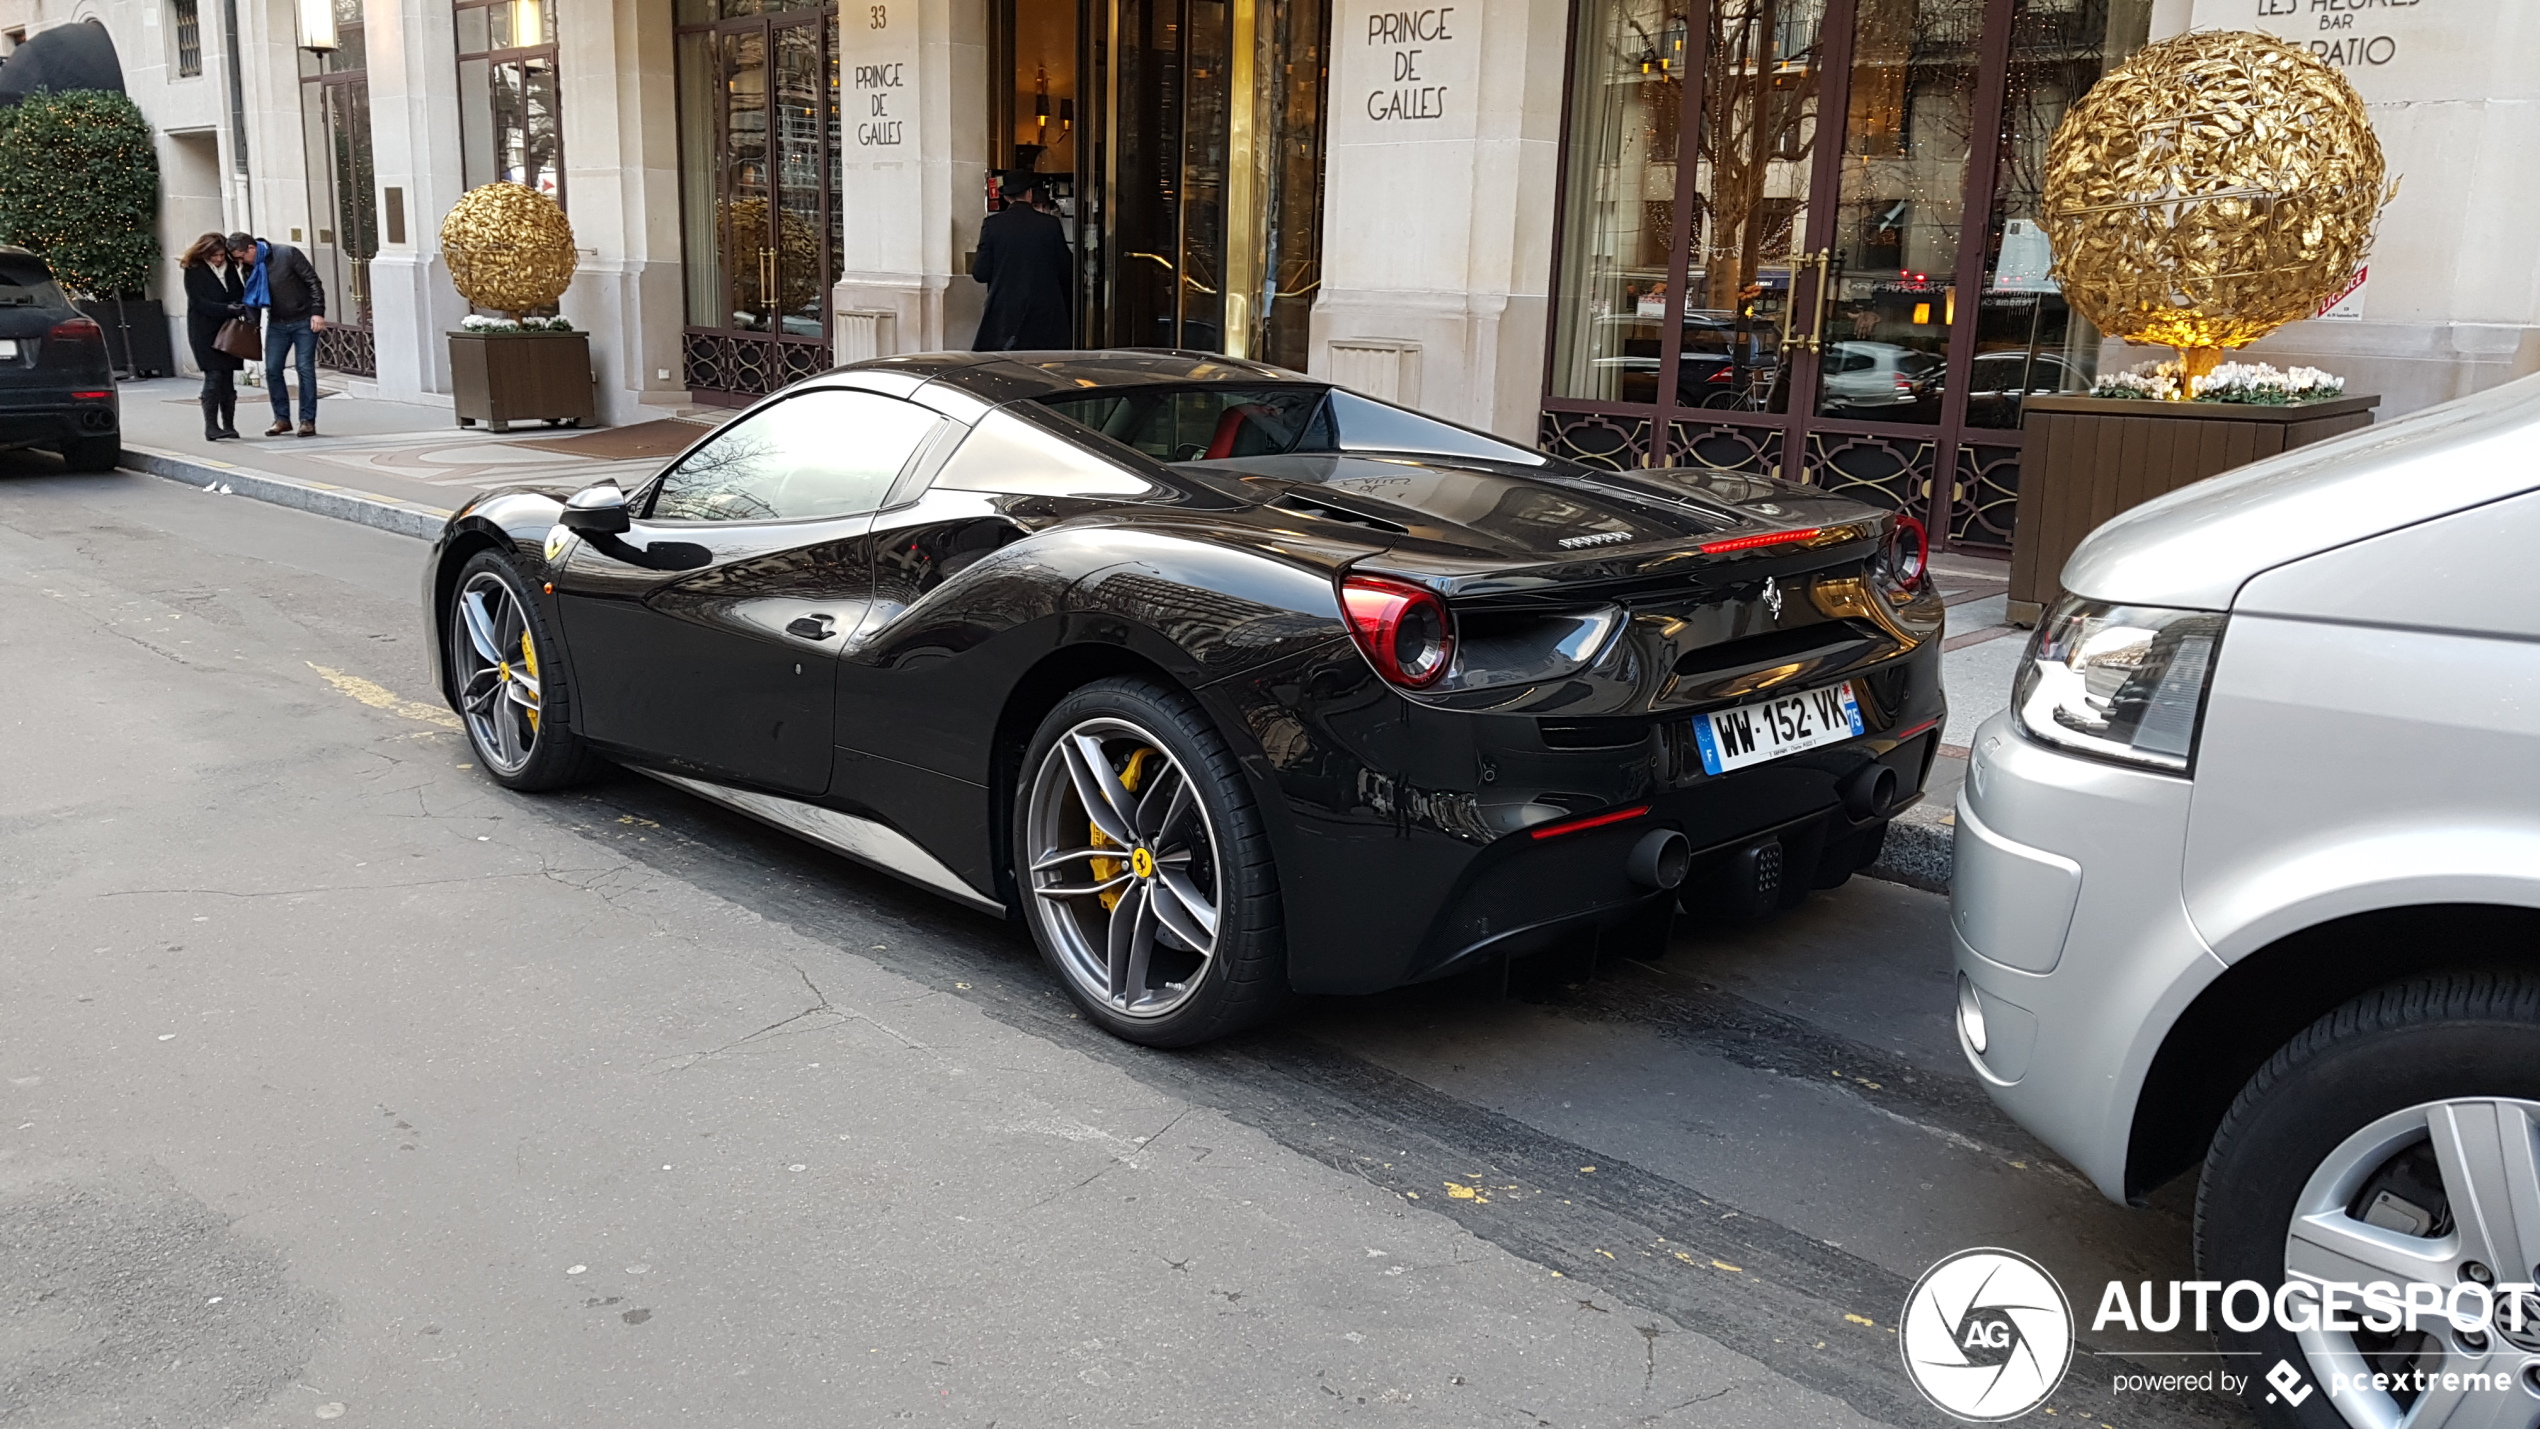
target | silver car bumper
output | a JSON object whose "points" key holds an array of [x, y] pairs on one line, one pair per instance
{"points": [[2071, 929]]}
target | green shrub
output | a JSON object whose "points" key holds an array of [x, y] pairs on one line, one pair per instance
{"points": [[79, 183]]}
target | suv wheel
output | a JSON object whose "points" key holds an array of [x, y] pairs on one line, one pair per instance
{"points": [[2396, 1139]]}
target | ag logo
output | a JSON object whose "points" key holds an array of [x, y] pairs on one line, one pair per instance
{"points": [[1988, 1335]]}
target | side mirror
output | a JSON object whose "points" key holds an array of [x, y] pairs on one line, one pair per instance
{"points": [[598, 510]]}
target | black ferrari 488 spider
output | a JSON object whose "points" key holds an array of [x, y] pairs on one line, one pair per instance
{"points": [[1229, 683]]}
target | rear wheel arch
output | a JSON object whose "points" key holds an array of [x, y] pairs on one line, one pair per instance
{"points": [[2265, 1000], [1028, 701]]}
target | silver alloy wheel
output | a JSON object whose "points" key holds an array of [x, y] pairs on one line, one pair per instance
{"points": [[2487, 1154], [495, 663], [1112, 812]]}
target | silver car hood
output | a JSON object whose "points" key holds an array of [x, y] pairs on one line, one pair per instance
{"points": [[2195, 547]]}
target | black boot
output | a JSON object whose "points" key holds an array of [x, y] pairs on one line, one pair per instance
{"points": [[229, 414], [211, 419]]}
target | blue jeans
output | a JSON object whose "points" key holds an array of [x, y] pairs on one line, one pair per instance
{"points": [[282, 342]]}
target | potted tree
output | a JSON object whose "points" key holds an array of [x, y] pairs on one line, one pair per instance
{"points": [[2211, 189], [510, 249], [79, 184]]}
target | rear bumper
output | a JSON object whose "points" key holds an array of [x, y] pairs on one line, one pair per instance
{"points": [[1405, 838], [33, 419]]}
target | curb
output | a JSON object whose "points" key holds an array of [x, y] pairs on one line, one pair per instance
{"points": [[344, 503], [1917, 853]]}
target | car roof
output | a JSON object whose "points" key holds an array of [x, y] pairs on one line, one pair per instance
{"points": [[1013, 376]]}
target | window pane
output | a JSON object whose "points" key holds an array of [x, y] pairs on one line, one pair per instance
{"points": [[1907, 132], [826, 453], [1627, 103], [474, 39], [476, 123], [1755, 151], [698, 133], [2027, 340]]}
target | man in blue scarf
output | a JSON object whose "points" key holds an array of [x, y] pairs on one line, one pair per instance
{"points": [[283, 284]]}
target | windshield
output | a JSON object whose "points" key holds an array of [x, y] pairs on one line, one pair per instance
{"points": [[1219, 423]]}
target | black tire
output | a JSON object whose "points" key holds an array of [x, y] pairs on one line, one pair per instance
{"points": [[2443, 1038], [93, 453], [1245, 979], [555, 756]]}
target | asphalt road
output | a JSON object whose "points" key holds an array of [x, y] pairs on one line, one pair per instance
{"points": [[338, 1083]]}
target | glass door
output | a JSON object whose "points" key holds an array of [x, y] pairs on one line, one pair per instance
{"points": [[760, 170], [1203, 190], [344, 202]]}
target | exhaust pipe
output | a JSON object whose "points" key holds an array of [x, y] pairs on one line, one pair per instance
{"points": [[1659, 860], [1867, 792]]}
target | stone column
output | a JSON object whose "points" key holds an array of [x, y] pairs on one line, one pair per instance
{"points": [[912, 74], [414, 142], [1440, 170], [621, 153]]}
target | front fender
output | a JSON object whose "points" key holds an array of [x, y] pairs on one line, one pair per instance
{"points": [[2343, 872], [515, 522]]}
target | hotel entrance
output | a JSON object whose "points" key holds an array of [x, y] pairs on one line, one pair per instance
{"points": [[1184, 144], [758, 176]]}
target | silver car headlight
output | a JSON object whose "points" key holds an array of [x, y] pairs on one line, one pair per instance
{"points": [[2119, 682]]}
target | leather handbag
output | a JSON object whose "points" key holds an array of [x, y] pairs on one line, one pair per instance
{"points": [[238, 338]]}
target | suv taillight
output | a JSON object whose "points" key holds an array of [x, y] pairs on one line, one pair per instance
{"points": [[1403, 630], [78, 330]]}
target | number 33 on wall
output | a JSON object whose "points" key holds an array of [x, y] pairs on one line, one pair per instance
{"points": [[877, 17]]}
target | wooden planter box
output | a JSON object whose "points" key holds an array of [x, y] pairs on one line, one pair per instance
{"points": [[137, 339], [2089, 458], [499, 378]]}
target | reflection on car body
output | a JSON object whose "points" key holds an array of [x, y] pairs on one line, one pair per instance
{"points": [[1232, 683]]}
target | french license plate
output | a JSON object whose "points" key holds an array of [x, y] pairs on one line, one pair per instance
{"points": [[1769, 729], [9, 348]]}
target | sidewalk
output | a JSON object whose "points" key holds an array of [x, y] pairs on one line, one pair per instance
{"points": [[404, 466], [415, 459]]}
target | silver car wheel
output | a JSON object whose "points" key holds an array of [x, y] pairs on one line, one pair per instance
{"points": [[1123, 874], [2486, 1154], [494, 663]]}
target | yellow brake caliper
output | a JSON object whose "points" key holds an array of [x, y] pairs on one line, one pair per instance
{"points": [[1105, 868], [529, 662]]}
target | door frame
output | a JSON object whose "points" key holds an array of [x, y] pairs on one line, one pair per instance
{"points": [[1954, 460], [730, 366]]}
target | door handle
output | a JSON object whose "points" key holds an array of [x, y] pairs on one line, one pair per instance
{"points": [[812, 627]]}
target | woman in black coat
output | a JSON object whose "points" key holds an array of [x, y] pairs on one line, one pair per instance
{"points": [[213, 290]]}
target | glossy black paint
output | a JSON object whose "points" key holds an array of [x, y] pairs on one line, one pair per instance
{"points": [[892, 665], [57, 386]]}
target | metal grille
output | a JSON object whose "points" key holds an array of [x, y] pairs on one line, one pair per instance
{"points": [[1889, 471], [1986, 495], [189, 39], [349, 350], [749, 366], [1725, 446], [1612, 441]]}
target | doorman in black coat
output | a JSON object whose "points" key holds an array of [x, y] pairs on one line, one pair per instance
{"points": [[1029, 270]]}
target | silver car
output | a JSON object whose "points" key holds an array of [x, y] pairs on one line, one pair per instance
{"points": [[2249, 875]]}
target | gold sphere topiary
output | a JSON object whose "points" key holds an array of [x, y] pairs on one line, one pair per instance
{"points": [[509, 248], [2209, 190]]}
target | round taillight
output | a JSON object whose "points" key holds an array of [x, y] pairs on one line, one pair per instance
{"points": [[1403, 629], [1907, 560]]}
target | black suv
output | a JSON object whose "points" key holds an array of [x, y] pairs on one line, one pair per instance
{"points": [[57, 388]]}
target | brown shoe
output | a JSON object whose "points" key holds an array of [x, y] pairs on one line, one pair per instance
{"points": [[308, 429], [279, 429]]}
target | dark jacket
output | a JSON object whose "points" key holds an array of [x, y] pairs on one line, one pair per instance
{"points": [[211, 298], [1031, 278], [293, 281]]}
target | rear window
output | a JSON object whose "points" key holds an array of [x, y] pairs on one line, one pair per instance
{"points": [[25, 285], [1221, 423]]}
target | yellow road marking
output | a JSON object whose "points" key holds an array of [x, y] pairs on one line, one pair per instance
{"points": [[380, 697]]}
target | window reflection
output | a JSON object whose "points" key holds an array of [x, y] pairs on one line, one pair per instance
{"points": [[2028, 342], [511, 124]]}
